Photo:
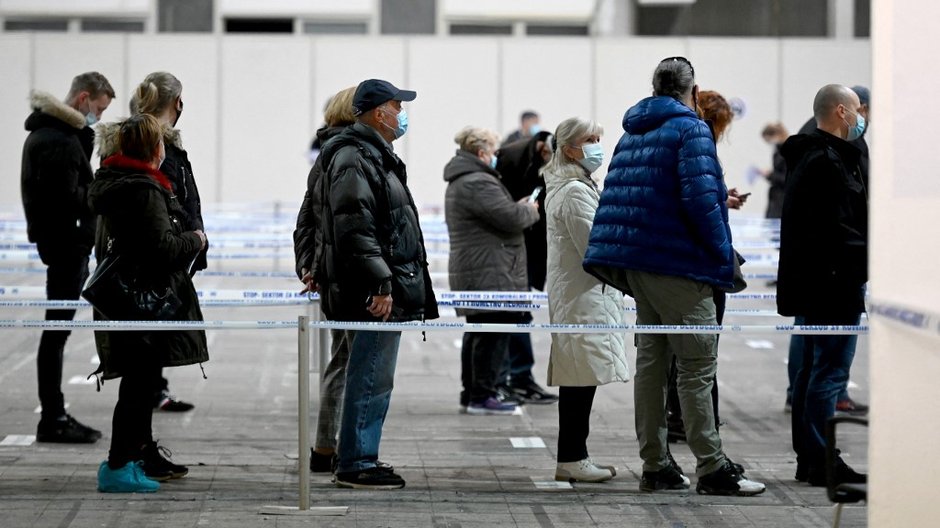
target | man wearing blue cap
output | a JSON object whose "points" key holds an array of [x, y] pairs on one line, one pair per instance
{"points": [[372, 268]]}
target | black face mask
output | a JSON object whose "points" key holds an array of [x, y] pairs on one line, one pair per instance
{"points": [[179, 112]]}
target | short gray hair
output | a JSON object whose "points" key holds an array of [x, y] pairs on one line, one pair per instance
{"points": [[828, 98], [92, 82], [674, 77]]}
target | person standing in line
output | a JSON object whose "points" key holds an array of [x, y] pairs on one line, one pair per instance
{"points": [[160, 95], [845, 404], [56, 173], [142, 222], [528, 126], [775, 134], [487, 253], [578, 362], [661, 234], [372, 267], [307, 242], [823, 269]]}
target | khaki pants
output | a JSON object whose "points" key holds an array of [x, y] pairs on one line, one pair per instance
{"points": [[667, 300]]}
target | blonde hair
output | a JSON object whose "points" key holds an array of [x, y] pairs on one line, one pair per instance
{"points": [[339, 111], [157, 91], [472, 139], [568, 133], [140, 137]]}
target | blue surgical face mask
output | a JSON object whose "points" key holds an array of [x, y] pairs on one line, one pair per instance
{"points": [[593, 156], [493, 161], [535, 129], [402, 127], [856, 131]]}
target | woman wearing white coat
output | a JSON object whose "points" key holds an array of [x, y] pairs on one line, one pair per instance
{"points": [[579, 362]]}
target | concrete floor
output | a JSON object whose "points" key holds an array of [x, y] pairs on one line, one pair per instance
{"points": [[461, 471]]}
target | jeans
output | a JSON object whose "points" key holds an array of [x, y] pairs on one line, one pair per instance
{"points": [[822, 375], [370, 377], [667, 300], [332, 387], [574, 422], [66, 272], [131, 426], [795, 361]]}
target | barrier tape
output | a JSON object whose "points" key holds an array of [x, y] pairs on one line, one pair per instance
{"points": [[433, 327], [211, 303]]}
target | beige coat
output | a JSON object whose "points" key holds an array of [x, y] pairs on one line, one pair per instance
{"points": [[574, 297]]}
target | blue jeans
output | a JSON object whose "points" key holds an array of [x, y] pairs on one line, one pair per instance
{"points": [[370, 376], [794, 362], [822, 375]]}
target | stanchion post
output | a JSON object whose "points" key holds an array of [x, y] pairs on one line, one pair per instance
{"points": [[303, 410]]}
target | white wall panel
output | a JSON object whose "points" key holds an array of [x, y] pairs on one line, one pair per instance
{"points": [[265, 89], [456, 87], [747, 69], [15, 57], [193, 60]]}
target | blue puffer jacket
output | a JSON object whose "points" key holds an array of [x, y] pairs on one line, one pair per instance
{"points": [[663, 205]]}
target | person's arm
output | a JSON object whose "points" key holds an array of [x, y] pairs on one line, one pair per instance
{"points": [[304, 233], [578, 208], [154, 237], [488, 201], [702, 192]]}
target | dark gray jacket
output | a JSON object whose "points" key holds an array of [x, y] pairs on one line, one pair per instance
{"points": [[487, 247]]}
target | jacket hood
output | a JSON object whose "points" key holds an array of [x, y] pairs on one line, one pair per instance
{"points": [[464, 163], [49, 106], [359, 135], [326, 133], [117, 174], [652, 112], [558, 176], [796, 147], [107, 138]]}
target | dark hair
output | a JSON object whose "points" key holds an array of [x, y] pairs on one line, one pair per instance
{"points": [[92, 82], [674, 77], [528, 114], [140, 137]]}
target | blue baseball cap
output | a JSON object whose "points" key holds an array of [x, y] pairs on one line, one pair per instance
{"points": [[864, 95], [372, 93]]}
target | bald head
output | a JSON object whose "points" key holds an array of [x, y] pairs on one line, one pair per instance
{"points": [[833, 103]]}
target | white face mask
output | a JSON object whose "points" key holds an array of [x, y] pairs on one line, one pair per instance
{"points": [[593, 156]]}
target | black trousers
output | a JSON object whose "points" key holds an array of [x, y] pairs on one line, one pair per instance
{"points": [[673, 409], [66, 272], [131, 426], [574, 422], [483, 357]]}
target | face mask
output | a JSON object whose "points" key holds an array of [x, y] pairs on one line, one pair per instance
{"points": [[90, 118], [593, 156], [493, 161], [535, 129], [402, 124], [856, 131]]}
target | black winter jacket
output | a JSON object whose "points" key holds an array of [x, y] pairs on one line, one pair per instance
{"points": [[144, 222], [372, 242], [56, 174], [823, 230], [519, 163], [307, 236]]}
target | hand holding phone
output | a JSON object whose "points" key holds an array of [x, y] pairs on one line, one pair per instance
{"points": [[535, 194]]}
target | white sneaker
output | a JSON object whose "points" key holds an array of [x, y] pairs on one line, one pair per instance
{"points": [[612, 469], [582, 471]]}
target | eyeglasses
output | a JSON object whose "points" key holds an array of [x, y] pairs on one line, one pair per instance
{"points": [[680, 59]]}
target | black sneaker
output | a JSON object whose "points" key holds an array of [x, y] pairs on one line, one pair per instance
{"points": [[372, 478], [842, 474], [157, 466], [320, 463], [667, 478], [506, 395], [532, 393], [727, 481], [167, 402], [66, 430]]}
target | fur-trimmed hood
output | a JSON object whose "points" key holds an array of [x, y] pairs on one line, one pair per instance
{"points": [[107, 137], [48, 104]]}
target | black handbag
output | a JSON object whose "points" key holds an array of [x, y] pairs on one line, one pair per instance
{"points": [[118, 294]]}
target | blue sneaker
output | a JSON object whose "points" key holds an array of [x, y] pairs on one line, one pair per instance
{"points": [[491, 407], [128, 479]]}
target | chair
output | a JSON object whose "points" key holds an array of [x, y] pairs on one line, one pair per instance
{"points": [[841, 494]]}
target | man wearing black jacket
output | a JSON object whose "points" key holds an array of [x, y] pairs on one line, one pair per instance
{"points": [[55, 177], [823, 267], [373, 268]]}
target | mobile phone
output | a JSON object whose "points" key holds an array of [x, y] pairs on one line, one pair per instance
{"points": [[535, 194], [744, 196]]}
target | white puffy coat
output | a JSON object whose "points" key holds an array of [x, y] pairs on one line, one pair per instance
{"points": [[575, 297]]}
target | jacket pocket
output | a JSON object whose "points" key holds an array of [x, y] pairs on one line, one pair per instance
{"points": [[408, 291]]}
